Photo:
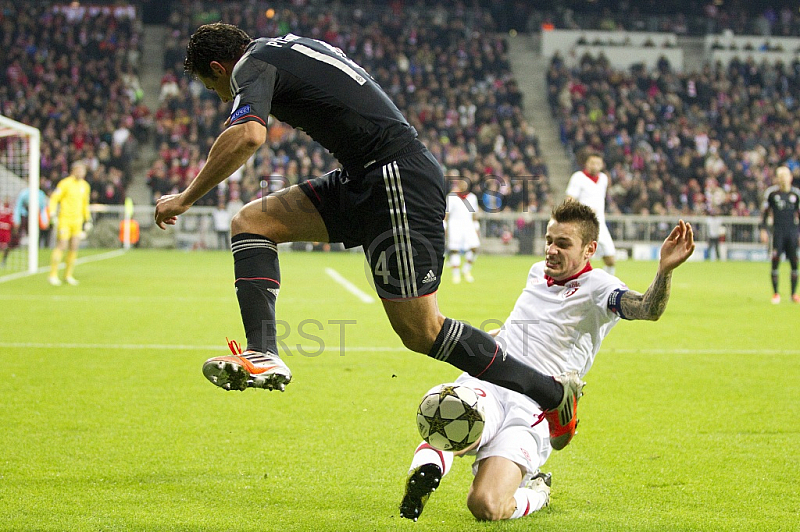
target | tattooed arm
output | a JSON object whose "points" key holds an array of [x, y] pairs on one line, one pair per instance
{"points": [[678, 247]]}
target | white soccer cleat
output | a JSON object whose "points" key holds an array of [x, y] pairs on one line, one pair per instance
{"points": [[541, 483], [55, 281], [250, 369], [72, 281]]}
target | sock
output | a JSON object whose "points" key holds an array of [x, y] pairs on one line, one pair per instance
{"points": [[425, 454], [55, 260], [470, 258], [774, 281], [475, 351], [455, 260], [71, 257], [258, 279], [528, 501], [611, 270], [794, 282]]}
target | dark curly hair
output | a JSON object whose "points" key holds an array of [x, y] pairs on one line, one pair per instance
{"points": [[213, 42], [571, 211]]}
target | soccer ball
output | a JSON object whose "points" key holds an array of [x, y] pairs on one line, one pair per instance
{"points": [[450, 417]]}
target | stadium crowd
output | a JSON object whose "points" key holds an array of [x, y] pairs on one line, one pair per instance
{"points": [[444, 69], [682, 142], [71, 71], [741, 17]]}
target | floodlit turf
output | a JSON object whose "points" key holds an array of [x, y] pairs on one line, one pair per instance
{"points": [[107, 423]]}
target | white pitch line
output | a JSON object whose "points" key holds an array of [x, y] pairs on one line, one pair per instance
{"points": [[376, 349], [43, 269], [350, 287]]}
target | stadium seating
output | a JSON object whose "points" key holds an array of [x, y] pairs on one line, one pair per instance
{"points": [[445, 71], [71, 71]]}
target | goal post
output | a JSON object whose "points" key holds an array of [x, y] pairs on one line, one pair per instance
{"points": [[20, 146]]}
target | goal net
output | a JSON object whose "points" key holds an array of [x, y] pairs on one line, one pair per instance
{"points": [[20, 205]]}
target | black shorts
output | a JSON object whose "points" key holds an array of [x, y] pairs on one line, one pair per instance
{"points": [[395, 212], [785, 242]]}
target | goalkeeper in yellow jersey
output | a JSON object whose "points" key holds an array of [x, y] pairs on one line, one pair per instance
{"points": [[71, 199]]}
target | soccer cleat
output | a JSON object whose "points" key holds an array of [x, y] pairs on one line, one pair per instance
{"points": [[776, 298], [420, 484], [250, 369], [55, 281], [72, 281], [795, 298], [563, 419], [456, 277], [541, 482], [468, 277]]}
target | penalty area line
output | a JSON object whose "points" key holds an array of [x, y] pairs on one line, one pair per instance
{"points": [[350, 287], [84, 260]]}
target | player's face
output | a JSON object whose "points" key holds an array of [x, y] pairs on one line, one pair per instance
{"points": [[784, 178], [221, 85], [565, 255], [594, 165]]}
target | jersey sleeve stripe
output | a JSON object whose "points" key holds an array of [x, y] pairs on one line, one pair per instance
{"points": [[336, 63]]}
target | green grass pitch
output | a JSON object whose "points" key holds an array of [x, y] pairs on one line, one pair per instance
{"points": [[107, 423]]}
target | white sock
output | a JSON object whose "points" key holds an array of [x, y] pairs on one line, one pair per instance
{"points": [[455, 260], [528, 501], [425, 454], [470, 257], [611, 270]]}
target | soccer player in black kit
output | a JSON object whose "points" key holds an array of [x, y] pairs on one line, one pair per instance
{"points": [[782, 204], [388, 197]]}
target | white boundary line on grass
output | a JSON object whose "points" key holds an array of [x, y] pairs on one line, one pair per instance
{"points": [[350, 287], [315, 348], [43, 269]]}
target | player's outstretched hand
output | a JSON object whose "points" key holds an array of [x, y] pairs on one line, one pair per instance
{"points": [[678, 247], [168, 208]]}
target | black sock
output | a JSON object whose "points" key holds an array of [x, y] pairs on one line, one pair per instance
{"points": [[794, 282], [774, 281], [258, 278], [475, 351]]}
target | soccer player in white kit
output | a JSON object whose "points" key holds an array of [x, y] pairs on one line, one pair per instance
{"points": [[565, 311], [462, 233], [589, 186]]}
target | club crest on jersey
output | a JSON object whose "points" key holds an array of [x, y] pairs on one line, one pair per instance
{"points": [[240, 112], [570, 288]]}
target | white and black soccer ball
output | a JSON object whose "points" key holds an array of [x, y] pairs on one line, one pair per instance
{"points": [[450, 417]]}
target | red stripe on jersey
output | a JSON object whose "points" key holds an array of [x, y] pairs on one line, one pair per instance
{"points": [[527, 509], [249, 116], [595, 178]]}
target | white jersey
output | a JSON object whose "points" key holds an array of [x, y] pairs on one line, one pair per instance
{"points": [[558, 327], [461, 210], [590, 192], [461, 232]]}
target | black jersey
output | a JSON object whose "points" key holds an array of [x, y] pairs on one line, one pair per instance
{"points": [[784, 207], [314, 87]]}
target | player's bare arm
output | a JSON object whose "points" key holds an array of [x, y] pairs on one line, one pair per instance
{"points": [[677, 248], [230, 151]]}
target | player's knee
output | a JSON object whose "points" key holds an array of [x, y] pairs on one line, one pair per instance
{"points": [[246, 222], [486, 507]]}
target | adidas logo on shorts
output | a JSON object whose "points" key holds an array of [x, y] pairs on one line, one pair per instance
{"points": [[429, 277]]}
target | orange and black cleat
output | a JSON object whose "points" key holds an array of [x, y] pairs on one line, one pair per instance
{"points": [[563, 419], [250, 369]]}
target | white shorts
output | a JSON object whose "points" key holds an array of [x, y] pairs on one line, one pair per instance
{"points": [[605, 245], [462, 237], [508, 432]]}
